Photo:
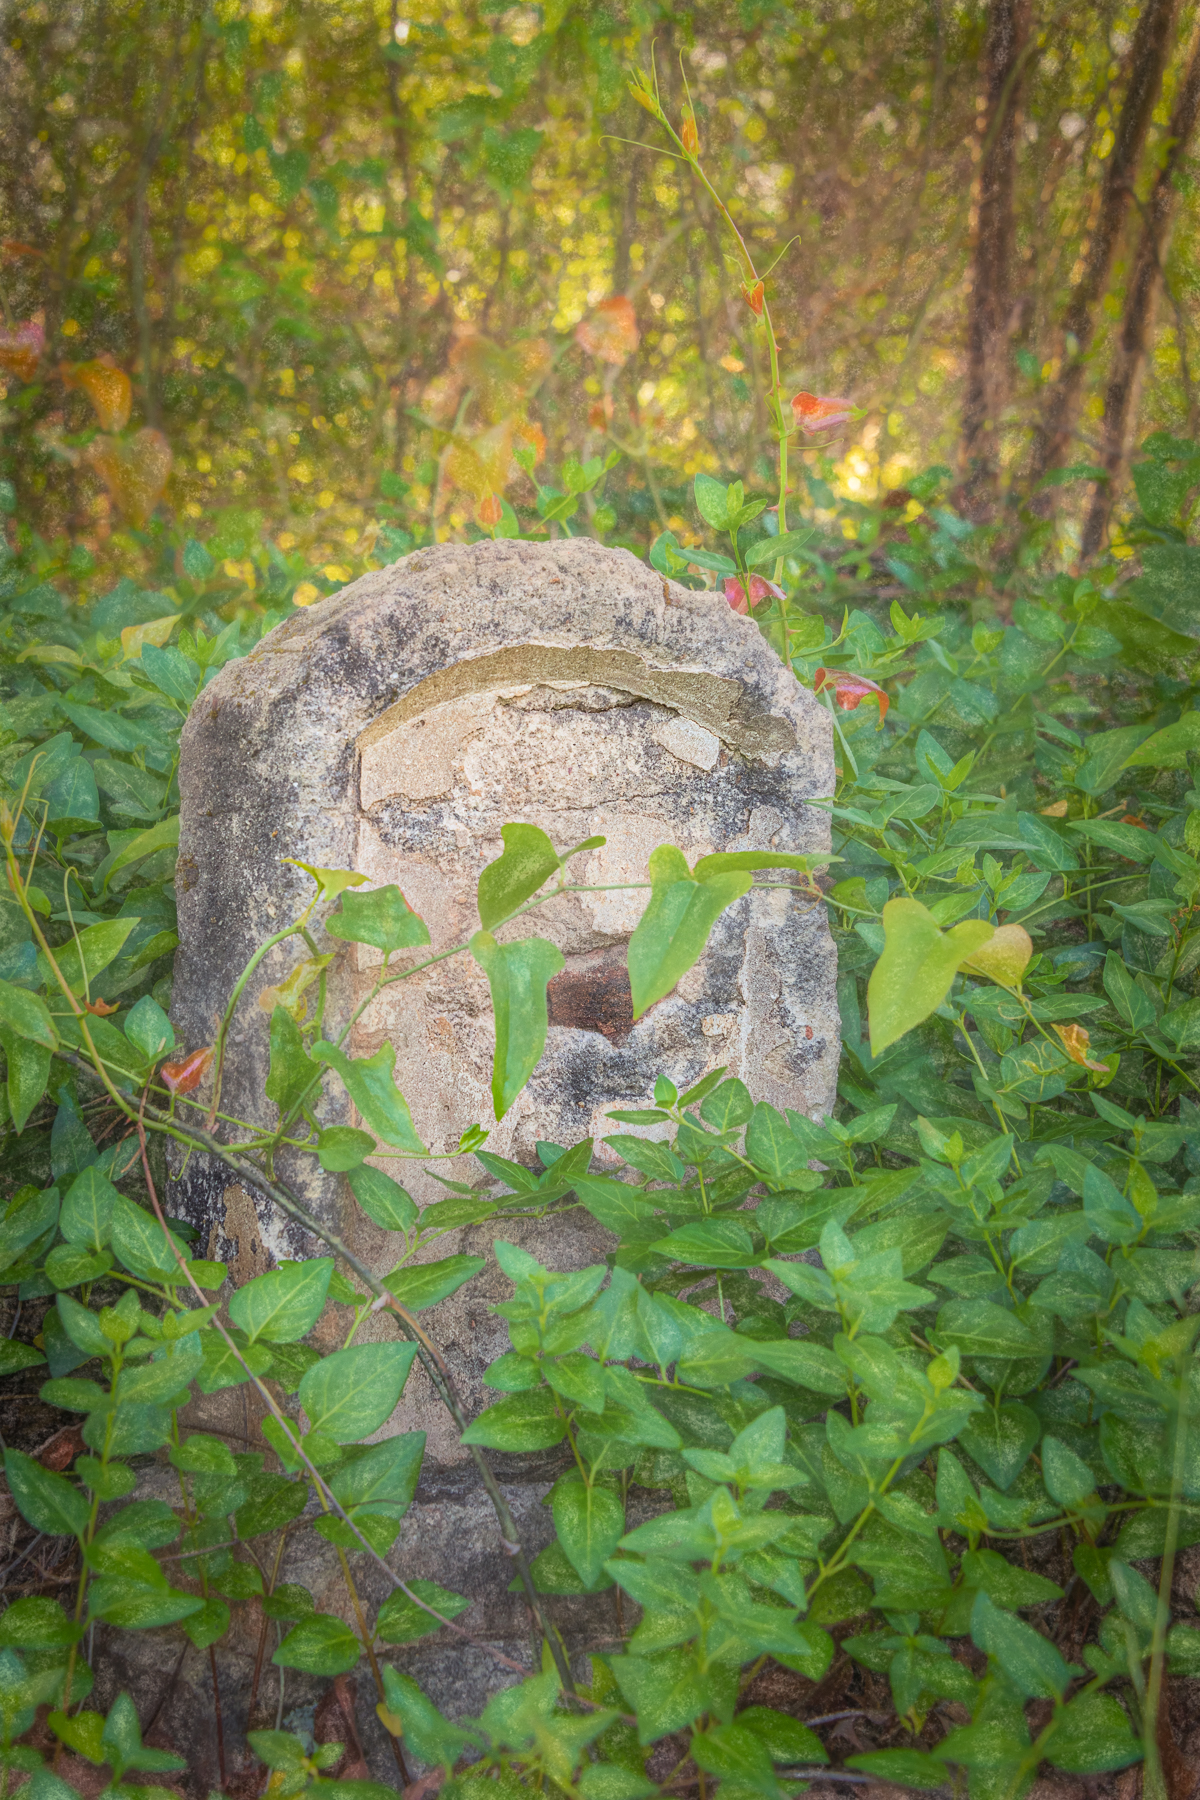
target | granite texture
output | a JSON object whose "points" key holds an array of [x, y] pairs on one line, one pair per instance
{"points": [[394, 728]]}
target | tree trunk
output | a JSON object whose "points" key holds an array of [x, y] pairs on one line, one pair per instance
{"points": [[1146, 278], [990, 322], [1151, 46]]}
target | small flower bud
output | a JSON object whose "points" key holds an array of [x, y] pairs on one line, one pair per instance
{"points": [[753, 296]]}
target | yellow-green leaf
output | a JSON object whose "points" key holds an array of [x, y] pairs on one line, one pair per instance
{"points": [[919, 962]]}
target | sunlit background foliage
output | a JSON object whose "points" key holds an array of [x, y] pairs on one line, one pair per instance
{"points": [[348, 256]]}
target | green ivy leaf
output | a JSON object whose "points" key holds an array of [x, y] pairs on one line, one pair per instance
{"points": [[384, 1476], [87, 1210], [402, 1621], [528, 862], [284, 1304], [292, 1071], [528, 1421], [672, 933], [1029, 1660], [45, 1500], [1001, 1440], [433, 1739], [906, 1768], [590, 1523], [382, 1199], [319, 1645], [981, 1328], [28, 1074], [370, 1084], [26, 1015], [1091, 1735], [712, 501], [149, 1029], [141, 1245], [418, 1285], [351, 1393], [208, 1625], [88, 955], [382, 918], [518, 975], [341, 1147]]}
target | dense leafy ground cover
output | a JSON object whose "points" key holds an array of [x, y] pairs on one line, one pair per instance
{"points": [[954, 1446]]}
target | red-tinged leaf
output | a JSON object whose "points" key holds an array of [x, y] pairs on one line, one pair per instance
{"points": [[735, 591], [611, 332], [850, 690], [490, 511], [21, 348], [753, 296], [815, 412], [183, 1077], [134, 470], [101, 1008], [108, 388]]}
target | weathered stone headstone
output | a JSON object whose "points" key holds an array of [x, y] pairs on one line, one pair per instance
{"points": [[394, 729]]}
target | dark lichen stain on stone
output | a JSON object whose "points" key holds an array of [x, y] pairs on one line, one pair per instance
{"points": [[593, 994]]}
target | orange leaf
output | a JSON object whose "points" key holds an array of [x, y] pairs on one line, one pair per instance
{"points": [[689, 137], [813, 412], [490, 511], [108, 388], [611, 332], [134, 470], [21, 348], [182, 1077], [528, 435], [500, 378], [850, 690], [1076, 1043], [101, 1008], [753, 296]]}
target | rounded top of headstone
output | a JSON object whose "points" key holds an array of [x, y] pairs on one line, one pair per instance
{"points": [[490, 615]]}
